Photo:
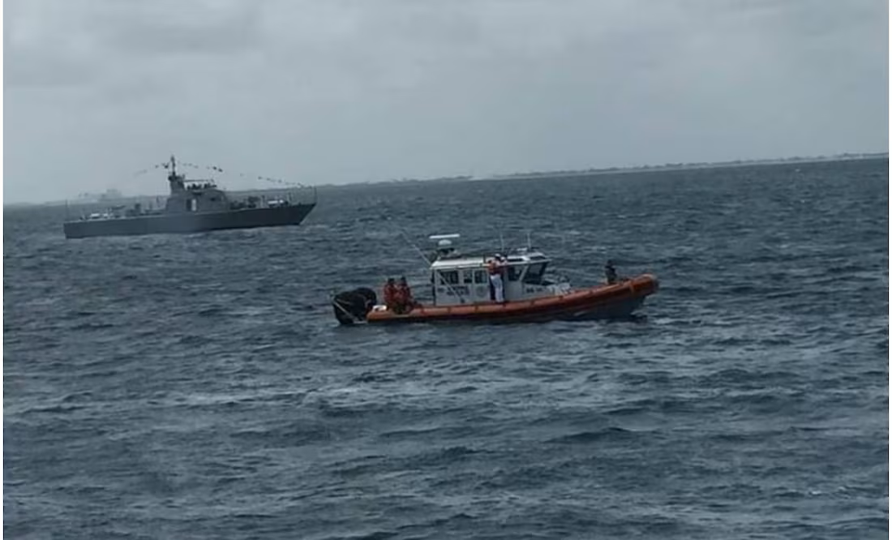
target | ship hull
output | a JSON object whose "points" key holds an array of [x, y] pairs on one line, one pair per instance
{"points": [[186, 223], [603, 302]]}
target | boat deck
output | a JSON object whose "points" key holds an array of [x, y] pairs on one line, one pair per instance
{"points": [[594, 302]]}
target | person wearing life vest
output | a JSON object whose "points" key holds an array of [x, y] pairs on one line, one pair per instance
{"points": [[404, 300], [390, 294], [495, 268]]}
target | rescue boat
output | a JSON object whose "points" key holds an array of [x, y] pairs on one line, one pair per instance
{"points": [[461, 291]]}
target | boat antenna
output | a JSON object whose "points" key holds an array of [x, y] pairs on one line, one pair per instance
{"points": [[424, 257], [529, 242], [408, 241]]}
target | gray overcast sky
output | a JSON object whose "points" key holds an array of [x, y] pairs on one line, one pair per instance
{"points": [[329, 91]]}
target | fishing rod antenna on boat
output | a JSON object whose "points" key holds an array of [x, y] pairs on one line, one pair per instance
{"points": [[408, 241], [424, 257]]}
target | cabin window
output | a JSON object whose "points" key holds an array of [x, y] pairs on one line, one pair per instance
{"points": [[468, 277], [480, 276], [514, 272], [535, 273], [449, 276]]}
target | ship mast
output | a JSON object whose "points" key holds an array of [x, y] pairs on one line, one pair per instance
{"points": [[176, 182]]}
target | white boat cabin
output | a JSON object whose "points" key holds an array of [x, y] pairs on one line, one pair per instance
{"points": [[458, 279]]}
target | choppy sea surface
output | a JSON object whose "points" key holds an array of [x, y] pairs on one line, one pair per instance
{"points": [[198, 386]]}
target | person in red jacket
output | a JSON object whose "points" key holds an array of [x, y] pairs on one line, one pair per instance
{"points": [[404, 300], [390, 294], [405, 295]]}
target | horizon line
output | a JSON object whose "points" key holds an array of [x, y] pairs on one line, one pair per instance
{"points": [[845, 156]]}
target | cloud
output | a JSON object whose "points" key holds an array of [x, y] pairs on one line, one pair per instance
{"points": [[177, 28], [343, 90]]}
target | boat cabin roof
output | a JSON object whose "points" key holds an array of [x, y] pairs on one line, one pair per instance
{"points": [[448, 258], [476, 261]]}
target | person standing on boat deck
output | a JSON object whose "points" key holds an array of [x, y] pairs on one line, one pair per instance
{"points": [[399, 300], [390, 294], [610, 272], [404, 300], [495, 268]]}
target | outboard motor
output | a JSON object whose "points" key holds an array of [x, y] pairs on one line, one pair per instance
{"points": [[352, 306]]}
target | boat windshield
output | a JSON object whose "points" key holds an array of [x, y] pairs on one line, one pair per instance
{"points": [[535, 273], [514, 272]]}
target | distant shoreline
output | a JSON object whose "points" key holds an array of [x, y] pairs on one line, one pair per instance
{"points": [[687, 166], [517, 176]]}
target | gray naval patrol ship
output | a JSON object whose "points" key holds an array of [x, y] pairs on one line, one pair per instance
{"points": [[192, 206]]}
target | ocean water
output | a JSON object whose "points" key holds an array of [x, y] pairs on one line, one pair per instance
{"points": [[198, 386]]}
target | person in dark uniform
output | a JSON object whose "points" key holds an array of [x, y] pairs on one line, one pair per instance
{"points": [[610, 272]]}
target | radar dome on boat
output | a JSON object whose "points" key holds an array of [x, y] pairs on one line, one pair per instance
{"points": [[440, 237]]}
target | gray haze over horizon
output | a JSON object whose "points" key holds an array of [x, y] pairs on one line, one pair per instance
{"points": [[339, 91]]}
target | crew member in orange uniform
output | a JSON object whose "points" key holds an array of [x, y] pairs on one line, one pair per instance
{"points": [[404, 299], [390, 294]]}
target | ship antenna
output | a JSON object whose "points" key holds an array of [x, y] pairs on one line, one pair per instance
{"points": [[529, 242]]}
